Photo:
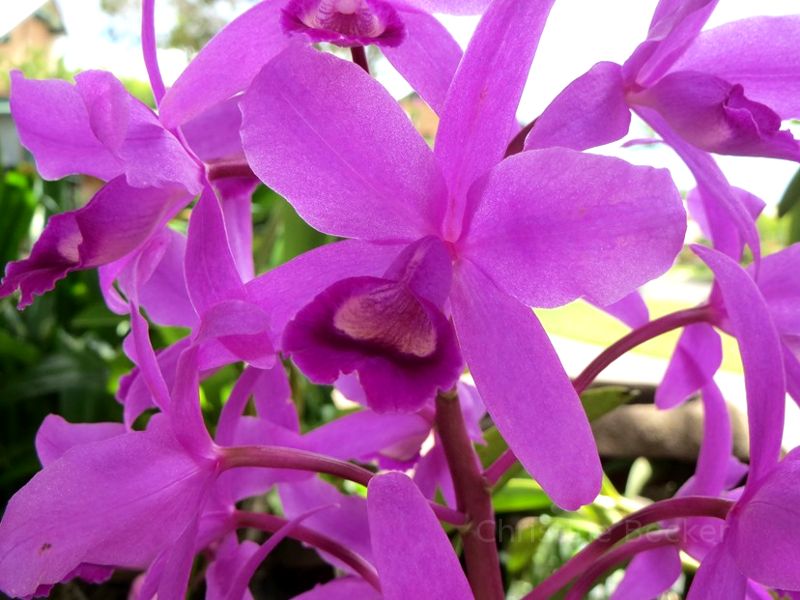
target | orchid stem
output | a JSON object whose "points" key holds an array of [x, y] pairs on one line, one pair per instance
{"points": [[229, 170], [665, 324], [272, 523], [473, 498], [149, 50], [360, 57], [275, 457], [648, 541], [673, 508]]}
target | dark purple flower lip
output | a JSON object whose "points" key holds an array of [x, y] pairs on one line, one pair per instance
{"points": [[344, 22]]}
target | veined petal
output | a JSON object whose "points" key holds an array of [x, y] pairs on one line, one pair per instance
{"points": [[427, 58], [56, 436], [716, 224], [586, 225], [759, 53], [525, 388], [591, 111], [694, 361], [53, 123], [285, 290], [764, 536], [479, 116], [412, 553], [760, 348], [45, 536], [718, 578], [340, 149], [226, 65]]}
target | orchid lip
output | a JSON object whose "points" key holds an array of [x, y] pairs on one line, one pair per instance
{"points": [[344, 22]]}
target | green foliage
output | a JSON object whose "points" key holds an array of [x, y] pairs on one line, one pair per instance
{"points": [[789, 209]]}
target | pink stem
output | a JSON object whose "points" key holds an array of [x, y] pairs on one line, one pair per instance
{"points": [[271, 524], [674, 508], [149, 50], [473, 498], [623, 552], [275, 457], [676, 320]]}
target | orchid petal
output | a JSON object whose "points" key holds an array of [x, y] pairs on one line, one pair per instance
{"points": [[587, 225], [116, 221], [716, 116], [427, 58], [285, 290], [696, 358], [53, 123], [372, 178], [236, 198], [631, 310], [478, 119], [762, 357], [345, 522], [710, 180], [780, 287], [272, 396], [211, 273], [56, 436], [407, 538], [649, 574], [44, 536], [343, 588], [432, 475], [525, 389], [718, 577], [452, 7], [591, 111], [758, 53], [213, 135], [226, 65], [792, 366], [716, 449], [184, 409], [675, 25], [230, 557], [764, 536], [168, 576], [715, 223]]}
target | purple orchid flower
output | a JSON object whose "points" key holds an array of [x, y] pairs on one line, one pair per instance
{"points": [[99, 130], [714, 102], [505, 226], [680, 84], [416, 44]]}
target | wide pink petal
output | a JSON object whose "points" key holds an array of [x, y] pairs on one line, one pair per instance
{"points": [[759, 53], [226, 65], [764, 536], [413, 555], [718, 578], [319, 144], [145, 489], [762, 357], [428, 56], [554, 225], [479, 116], [525, 389], [591, 111]]}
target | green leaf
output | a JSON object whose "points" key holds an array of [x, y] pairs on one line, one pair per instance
{"points": [[521, 495], [601, 400], [791, 196]]}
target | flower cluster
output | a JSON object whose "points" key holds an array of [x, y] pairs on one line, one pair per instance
{"points": [[444, 253]]}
